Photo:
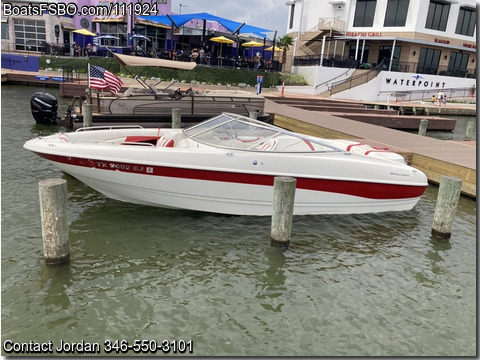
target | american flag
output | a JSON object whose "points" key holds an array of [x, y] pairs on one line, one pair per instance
{"points": [[102, 79]]}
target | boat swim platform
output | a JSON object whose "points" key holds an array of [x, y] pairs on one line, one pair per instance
{"points": [[432, 156]]}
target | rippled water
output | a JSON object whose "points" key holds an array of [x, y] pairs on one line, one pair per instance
{"points": [[356, 285]]}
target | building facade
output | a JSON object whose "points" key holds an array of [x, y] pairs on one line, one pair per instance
{"points": [[436, 37], [37, 26]]}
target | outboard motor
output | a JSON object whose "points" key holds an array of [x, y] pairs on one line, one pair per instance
{"points": [[44, 108]]}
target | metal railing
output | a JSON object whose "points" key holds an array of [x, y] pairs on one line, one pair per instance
{"points": [[356, 80], [450, 93], [330, 60]]}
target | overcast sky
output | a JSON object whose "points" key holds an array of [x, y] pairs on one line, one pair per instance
{"points": [[267, 14]]}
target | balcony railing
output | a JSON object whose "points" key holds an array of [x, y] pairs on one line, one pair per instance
{"points": [[331, 24], [412, 67]]}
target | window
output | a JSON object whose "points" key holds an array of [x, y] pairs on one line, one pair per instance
{"points": [[428, 61], [118, 30], [292, 15], [466, 22], [5, 33], [364, 13], [457, 66], [156, 35], [437, 16], [396, 14], [29, 35], [385, 52], [353, 51]]}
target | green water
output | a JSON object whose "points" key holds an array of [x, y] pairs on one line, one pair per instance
{"points": [[357, 285]]}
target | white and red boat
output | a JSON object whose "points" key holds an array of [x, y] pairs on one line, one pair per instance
{"points": [[227, 164]]}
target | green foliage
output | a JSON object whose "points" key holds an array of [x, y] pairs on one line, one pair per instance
{"points": [[293, 79], [209, 75]]}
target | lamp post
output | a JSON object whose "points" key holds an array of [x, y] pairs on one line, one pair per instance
{"points": [[182, 6]]}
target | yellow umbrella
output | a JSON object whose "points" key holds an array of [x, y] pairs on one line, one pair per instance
{"points": [[84, 32], [222, 40], [277, 49], [252, 44]]}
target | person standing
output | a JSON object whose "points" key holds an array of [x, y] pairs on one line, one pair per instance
{"points": [[201, 55], [439, 97]]}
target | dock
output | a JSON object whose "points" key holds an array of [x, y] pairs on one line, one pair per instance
{"points": [[390, 118], [432, 156]]}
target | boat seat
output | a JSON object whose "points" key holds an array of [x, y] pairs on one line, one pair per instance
{"points": [[164, 142]]}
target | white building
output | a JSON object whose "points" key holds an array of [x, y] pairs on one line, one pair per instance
{"points": [[422, 37]]}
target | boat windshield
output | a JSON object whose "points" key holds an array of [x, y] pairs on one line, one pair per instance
{"points": [[240, 132]]}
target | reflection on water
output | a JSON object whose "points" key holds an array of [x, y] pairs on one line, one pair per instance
{"points": [[353, 285]]}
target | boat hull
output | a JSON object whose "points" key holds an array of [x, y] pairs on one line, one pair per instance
{"points": [[244, 189]]}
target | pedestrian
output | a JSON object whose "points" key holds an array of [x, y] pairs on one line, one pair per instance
{"points": [[76, 49], [433, 99], [444, 100], [89, 49], [138, 50], [439, 97], [201, 54], [194, 54]]}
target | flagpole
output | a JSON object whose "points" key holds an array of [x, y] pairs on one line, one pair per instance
{"points": [[89, 88], [88, 72]]}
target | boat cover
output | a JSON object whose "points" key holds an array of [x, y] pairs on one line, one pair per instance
{"points": [[128, 60]]}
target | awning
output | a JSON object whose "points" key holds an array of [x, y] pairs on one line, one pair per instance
{"points": [[68, 26], [128, 60], [406, 40], [228, 24], [150, 23], [110, 18]]}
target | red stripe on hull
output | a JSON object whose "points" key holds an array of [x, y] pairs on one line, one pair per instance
{"points": [[355, 188]]}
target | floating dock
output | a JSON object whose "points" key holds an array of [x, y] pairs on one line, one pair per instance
{"points": [[434, 157]]}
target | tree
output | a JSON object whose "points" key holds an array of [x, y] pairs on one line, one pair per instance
{"points": [[284, 43]]}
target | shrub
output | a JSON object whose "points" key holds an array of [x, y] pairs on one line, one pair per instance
{"points": [[209, 75], [293, 79]]}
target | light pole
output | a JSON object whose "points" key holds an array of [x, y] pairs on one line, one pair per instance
{"points": [[182, 6]]}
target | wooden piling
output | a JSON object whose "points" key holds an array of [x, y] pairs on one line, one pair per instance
{"points": [[53, 210], [253, 115], [447, 201], [176, 118], [469, 132], [87, 115], [282, 213], [422, 129]]}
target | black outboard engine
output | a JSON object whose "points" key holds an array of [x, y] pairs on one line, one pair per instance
{"points": [[44, 108]]}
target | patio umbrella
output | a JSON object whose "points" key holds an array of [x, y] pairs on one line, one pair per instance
{"points": [[277, 49], [222, 40], [252, 44], [139, 37], [107, 37], [84, 32]]}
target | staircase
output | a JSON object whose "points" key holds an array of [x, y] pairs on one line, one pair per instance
{"points": [[356, 80]]}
